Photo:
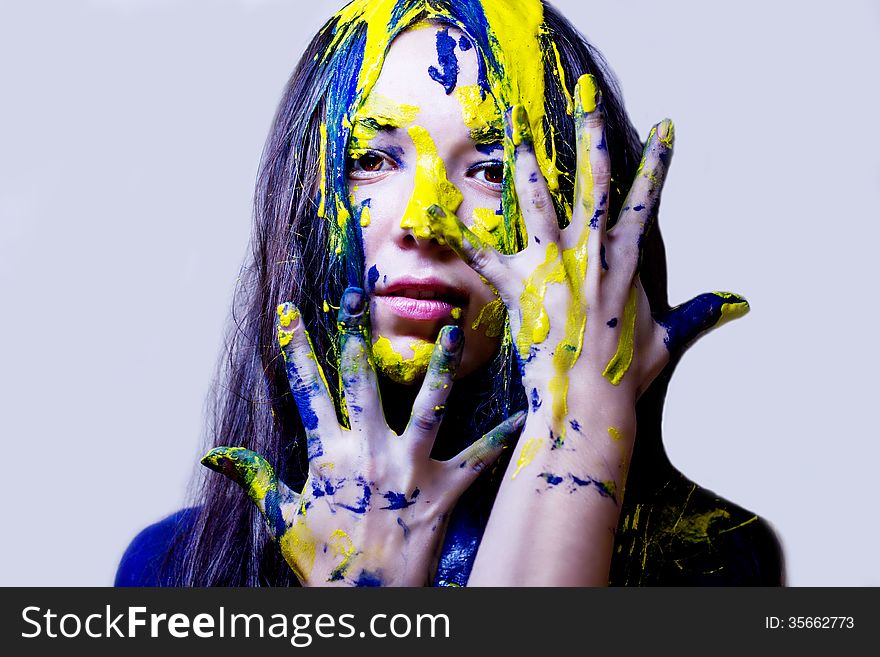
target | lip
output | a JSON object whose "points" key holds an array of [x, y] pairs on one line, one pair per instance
{"points": [[398, 297]]}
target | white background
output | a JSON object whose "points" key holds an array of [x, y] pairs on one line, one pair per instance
{"points": [[130, 133]]}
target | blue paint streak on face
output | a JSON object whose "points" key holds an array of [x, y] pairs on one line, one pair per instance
{"points": [[612, 322], [537, 240], [404, 527], [396, 501], [364, 501], [464, 44], [372, 277], [602, 257], [575, 425], [273, 513], [639, 208], [447, 75], [414, 494], [536, 400], [488, 149], [685, 322], [551, 478], [367, 578]]}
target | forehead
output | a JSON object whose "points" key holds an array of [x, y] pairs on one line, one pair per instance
{"points": [[426, 62]]}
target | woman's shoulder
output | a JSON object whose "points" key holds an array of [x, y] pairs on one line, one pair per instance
{"points": [[686, 535], [143, 560]]}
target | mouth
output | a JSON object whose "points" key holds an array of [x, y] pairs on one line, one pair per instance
{"points": [[422, 299]]}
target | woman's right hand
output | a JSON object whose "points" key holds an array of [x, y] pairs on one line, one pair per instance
{"points": [[373, 508]]}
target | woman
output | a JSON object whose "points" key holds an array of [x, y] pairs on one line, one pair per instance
{"points": [[431, 165]]}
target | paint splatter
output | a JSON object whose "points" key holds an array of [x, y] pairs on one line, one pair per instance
{"points": [[447, 74]]}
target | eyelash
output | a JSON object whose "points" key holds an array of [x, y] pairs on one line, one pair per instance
{"points": [[485, 166], [354, 165], [356, 171]]}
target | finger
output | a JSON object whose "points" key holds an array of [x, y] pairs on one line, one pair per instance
{"points": [[532, 194], [586, 233], [642, 202], [430, 404], [689, 321], [475, 458], [481, 257], [254, 474], [355, 369], [307, 383]]}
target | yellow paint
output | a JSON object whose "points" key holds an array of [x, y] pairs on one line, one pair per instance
{"points": [[326, 306], [491, 318], [518, 41], [586, 93], [365, 216], [341, 545], [734, 309], [535, 322], [432, 187], [487, 225], [456, 313], [559, 72], [285, 318], [478, 113], [614, 433], [521, 131], [666, 133], [322, 164], [398, 368], [298, 548], [622, 359], [530, 450]]}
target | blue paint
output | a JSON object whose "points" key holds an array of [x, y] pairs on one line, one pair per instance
{"points": [[536, 400], [273, 515], [551, 478], [319, 490], [447, 75], [404, 527], [603, 490], [397, 501], [372, 277], [575, 425], [684, 323], [612, 322], [367, 578], [533, 177], [537, 240], [488, 149], [639, 208], [364, 501], [464, 44]]}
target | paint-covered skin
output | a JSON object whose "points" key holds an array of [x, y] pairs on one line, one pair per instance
{"points": [[578, 313], [373, 509]]}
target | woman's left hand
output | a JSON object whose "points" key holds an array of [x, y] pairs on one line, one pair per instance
{"points": [[588, 346]]}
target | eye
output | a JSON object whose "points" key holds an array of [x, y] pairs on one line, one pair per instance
{"points": [[489, 173], [365, 164]]}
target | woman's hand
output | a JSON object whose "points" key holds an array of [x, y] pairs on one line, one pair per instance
{"points": [[588, 346], [374, 505]]}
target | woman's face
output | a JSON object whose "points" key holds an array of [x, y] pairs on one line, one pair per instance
{"points": [[411, 149]]}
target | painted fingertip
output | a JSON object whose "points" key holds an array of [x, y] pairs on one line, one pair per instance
{"points": [[587, 95], [520, 127], [734, 307], [288, 316], [352, 304], [666, 132], [451, 338], [518, 420]]}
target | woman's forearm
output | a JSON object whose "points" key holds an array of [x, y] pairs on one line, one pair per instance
{"points": [[556, 512]]}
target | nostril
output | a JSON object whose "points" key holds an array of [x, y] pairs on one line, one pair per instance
{"points": [[409, 239]]}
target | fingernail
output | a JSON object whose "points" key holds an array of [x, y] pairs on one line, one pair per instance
{"points": [[520, 128], [666, 132], [519, 420], [587, 96], [352, 302], [288, 316], [436, 211], [451, 337]]}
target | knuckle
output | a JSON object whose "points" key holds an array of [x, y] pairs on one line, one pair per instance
{"points": [[423, 421]]}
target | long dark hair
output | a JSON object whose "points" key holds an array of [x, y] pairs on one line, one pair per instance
{"points": [[227, 545]]}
